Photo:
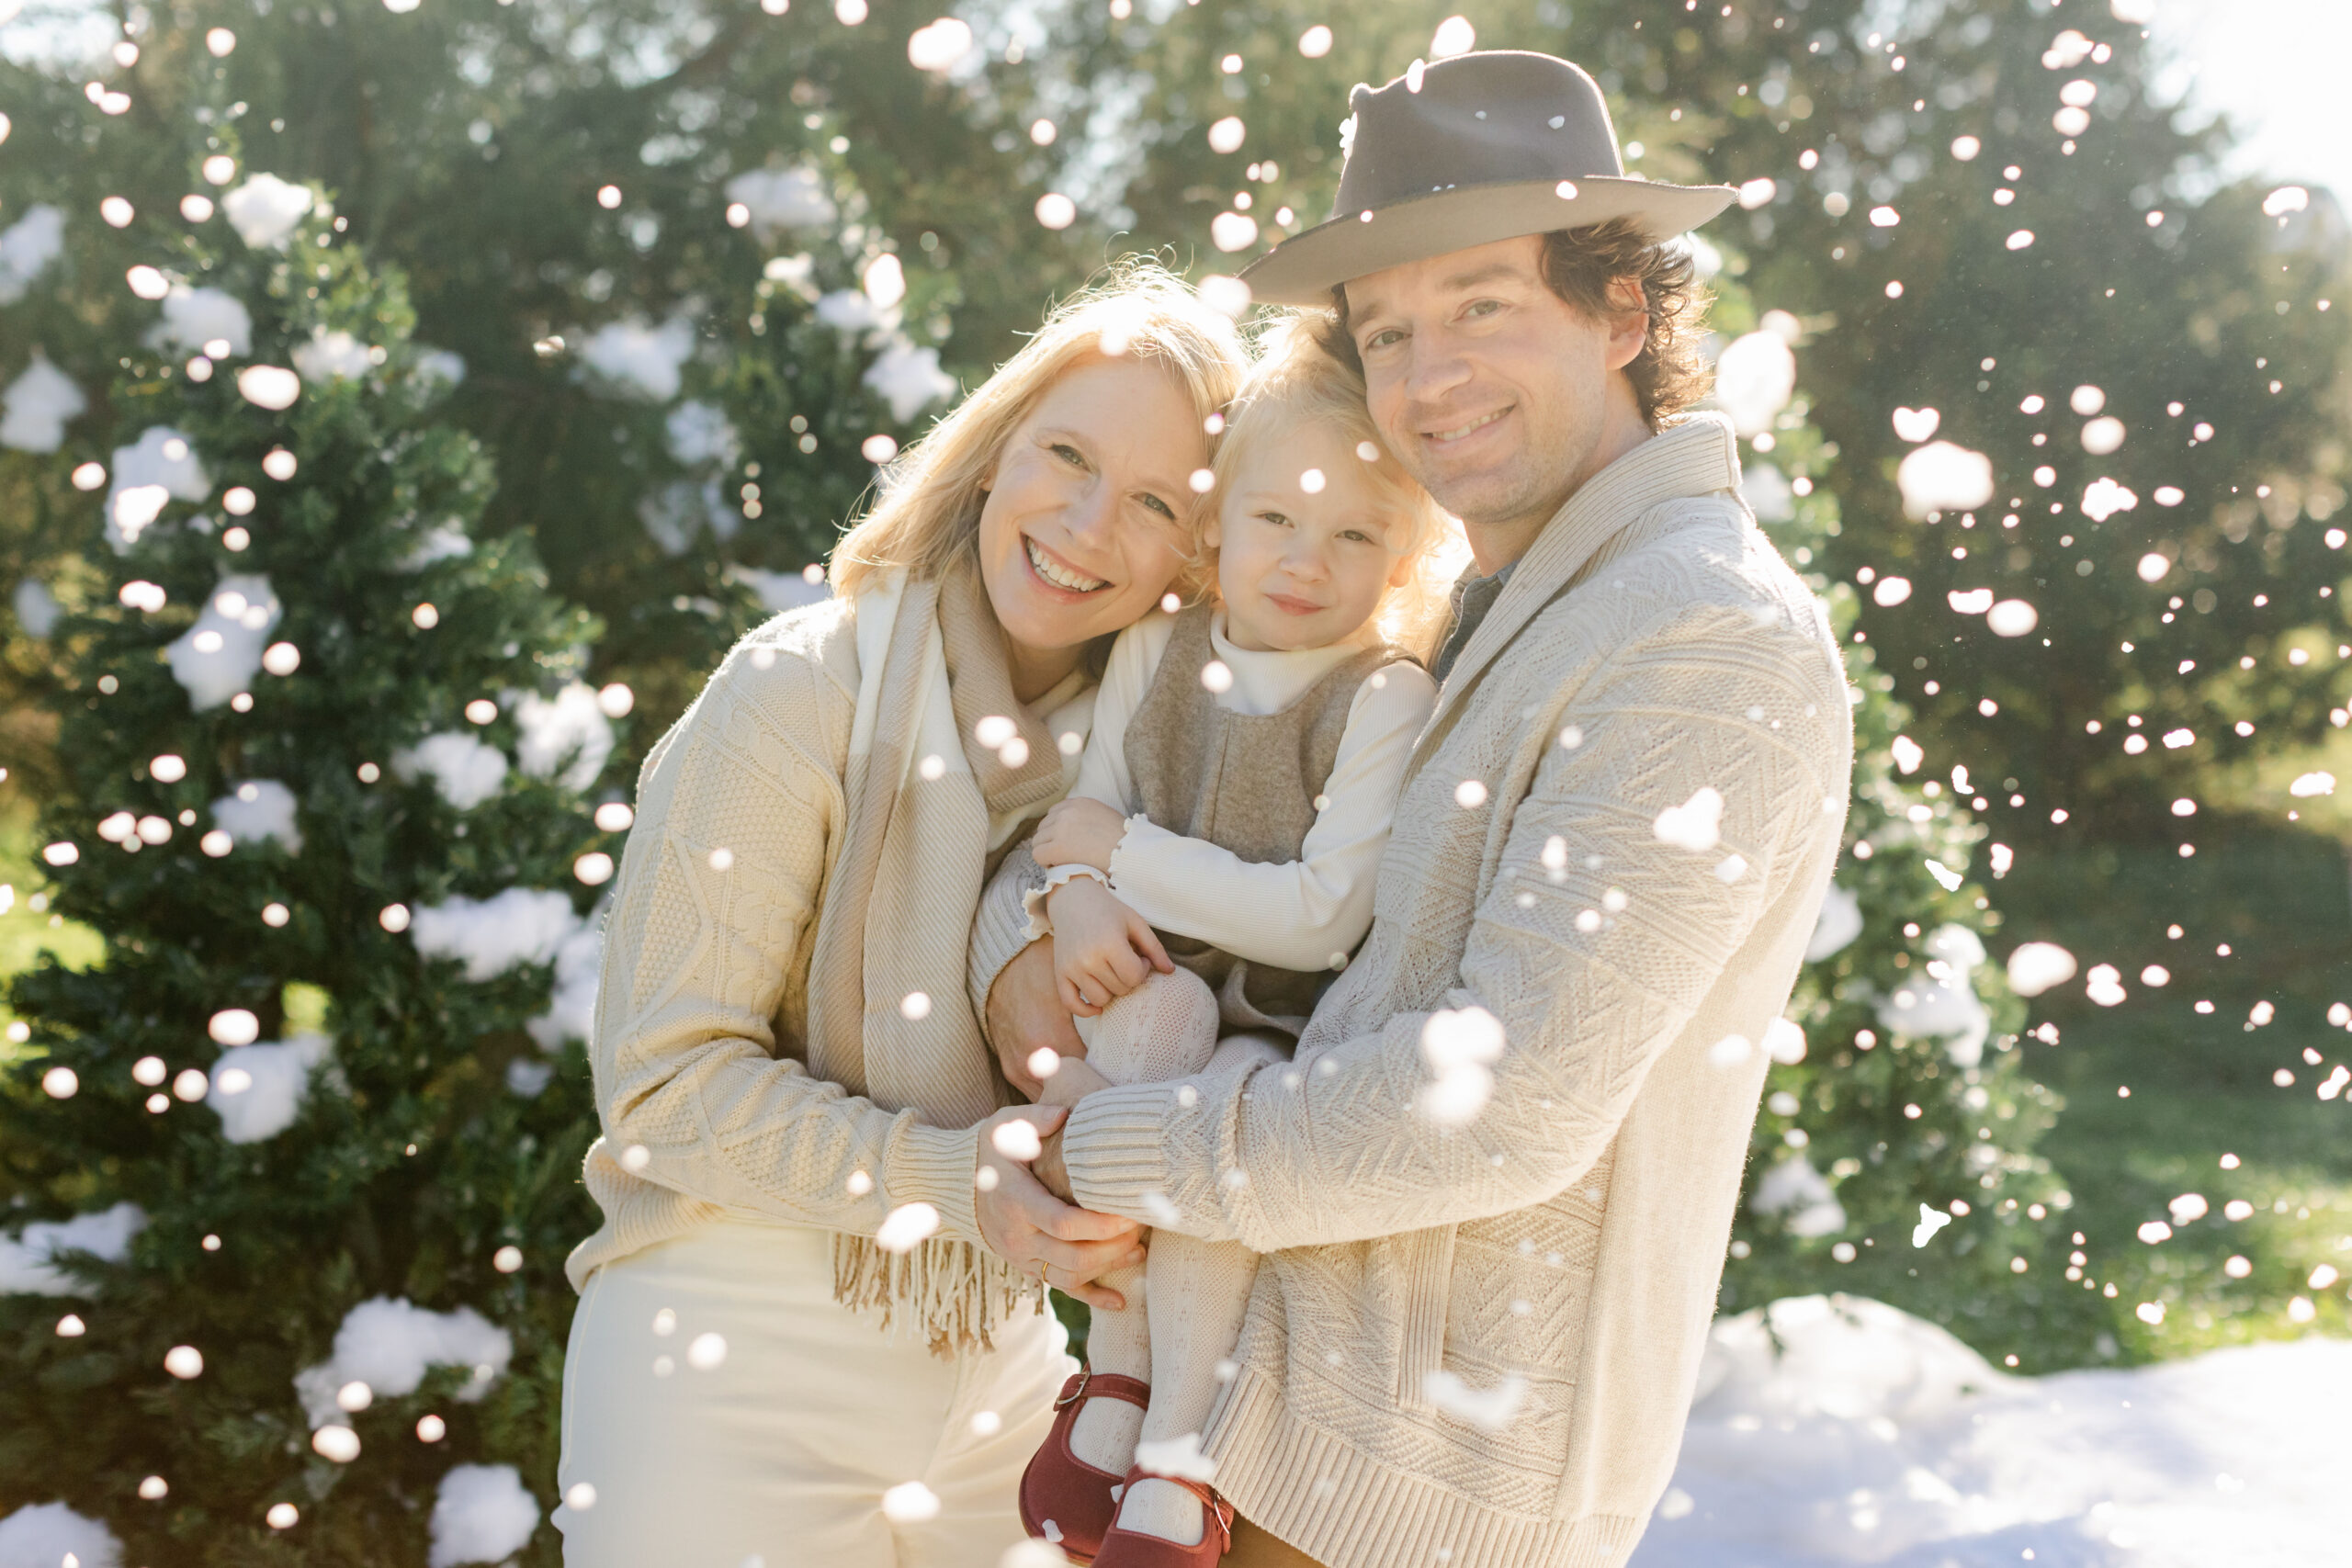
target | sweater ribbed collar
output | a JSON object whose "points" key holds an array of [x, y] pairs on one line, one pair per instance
{"points": [[1697, 456]]}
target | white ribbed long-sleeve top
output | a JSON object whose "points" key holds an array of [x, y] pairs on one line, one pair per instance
{"points": [[1295, 914]]}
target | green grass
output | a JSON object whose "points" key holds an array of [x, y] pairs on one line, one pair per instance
{"points": [[27, 928], [2202, 1084]]}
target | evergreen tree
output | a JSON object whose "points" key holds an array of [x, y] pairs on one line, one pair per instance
{"points": [[1910, 1092], [585, 197], [293, 1173]]}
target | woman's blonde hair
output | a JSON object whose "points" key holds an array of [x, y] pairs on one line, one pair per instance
{"points": [[928, 509], [1298, 381]]}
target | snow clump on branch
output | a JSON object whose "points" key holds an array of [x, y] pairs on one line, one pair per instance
{"points": [[389, 1344], [38, 406], [27, 1260]]}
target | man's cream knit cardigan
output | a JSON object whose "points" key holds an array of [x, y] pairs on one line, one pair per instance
{"points": [[1560, 1251]]}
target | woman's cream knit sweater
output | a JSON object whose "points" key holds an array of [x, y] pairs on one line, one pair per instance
{"points": [[1474, 1338], [705, 999]]}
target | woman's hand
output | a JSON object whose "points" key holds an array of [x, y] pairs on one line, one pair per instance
{"points": [[1103, 950], [1039, 1235], [1079, 832]]}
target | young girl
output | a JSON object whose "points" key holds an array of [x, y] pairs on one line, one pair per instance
{"points": [[1230, 814]]}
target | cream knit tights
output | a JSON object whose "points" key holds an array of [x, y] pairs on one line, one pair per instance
{"points": [[1185, 1305]]}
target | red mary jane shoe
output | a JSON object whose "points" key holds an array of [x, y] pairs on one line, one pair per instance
{"points": [[1131, 1549], [1063, 1489]]}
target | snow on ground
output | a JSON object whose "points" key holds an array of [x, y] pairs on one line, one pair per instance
{"points": [[1875, 1437]]}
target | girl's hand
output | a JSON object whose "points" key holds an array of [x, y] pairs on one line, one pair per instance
{"points": [[1103, 950], [1079, 832]]}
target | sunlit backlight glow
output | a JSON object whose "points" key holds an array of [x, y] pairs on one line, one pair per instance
{"points": [[1941, 477], [940, 45]]}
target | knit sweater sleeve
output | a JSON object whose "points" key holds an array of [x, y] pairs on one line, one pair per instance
{"points": [[713, 913], [1595, 945]]}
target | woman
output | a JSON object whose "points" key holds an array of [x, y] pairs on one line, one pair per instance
{"points": [[793, 1345]]}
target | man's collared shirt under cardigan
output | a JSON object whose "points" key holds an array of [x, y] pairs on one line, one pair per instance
{"points": [[1565, 1239], [1467, 606]]}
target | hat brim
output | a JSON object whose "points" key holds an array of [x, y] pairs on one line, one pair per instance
{"points": [[1304, 268]]}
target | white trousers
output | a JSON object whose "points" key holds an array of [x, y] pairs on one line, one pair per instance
{"points": [[780, 1455]]}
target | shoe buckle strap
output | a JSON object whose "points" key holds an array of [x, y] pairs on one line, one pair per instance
{"points": [[1085, 1376]]}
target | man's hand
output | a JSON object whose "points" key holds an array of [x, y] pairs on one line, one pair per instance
{"points": [[1072, 1082], [1025, 1015], [1024, 1223], [1103, 950], [1079, 832]]}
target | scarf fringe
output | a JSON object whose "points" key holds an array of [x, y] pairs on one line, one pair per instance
{"points": [[955, 1294]]}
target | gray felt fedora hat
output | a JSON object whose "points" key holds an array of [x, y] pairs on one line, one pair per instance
{"points": [[1467, 151]]}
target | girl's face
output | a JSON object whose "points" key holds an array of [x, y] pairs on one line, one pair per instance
{"points": [[1305, 546], [1080, 534]]}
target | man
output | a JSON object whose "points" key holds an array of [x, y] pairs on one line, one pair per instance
{"points": [[1495, 1188]]}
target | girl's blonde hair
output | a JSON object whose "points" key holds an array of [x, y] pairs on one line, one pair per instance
{"points": [[1296, 381], [928, 509]]}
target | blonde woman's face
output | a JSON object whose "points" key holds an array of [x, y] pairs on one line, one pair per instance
{"points": [[1081, 532], [1307, 547]]}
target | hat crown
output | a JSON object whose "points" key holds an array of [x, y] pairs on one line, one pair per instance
{"points": [[1486, 118]]}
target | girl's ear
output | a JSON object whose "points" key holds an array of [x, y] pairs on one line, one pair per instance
{"points": [[1406, 566], [1212, 531]]}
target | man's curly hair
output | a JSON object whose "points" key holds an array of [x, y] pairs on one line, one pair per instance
{"points": [[1584, 266]]}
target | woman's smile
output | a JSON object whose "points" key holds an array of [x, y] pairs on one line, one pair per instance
{"points": [[1057, 573]]}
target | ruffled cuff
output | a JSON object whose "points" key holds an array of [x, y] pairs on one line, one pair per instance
{"points": [[1132, 861], [1033, 899]]}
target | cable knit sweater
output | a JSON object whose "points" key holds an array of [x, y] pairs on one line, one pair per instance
{"points": [[1474, 1341], [702, 1012]]}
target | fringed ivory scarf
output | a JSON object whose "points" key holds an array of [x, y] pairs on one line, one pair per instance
{"points": [[922, 793]]}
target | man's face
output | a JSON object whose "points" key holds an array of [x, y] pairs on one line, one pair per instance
{"points": [[1492, 391]]}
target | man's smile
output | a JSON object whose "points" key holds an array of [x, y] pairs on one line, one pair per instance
{"points": [[1463, 431]]}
